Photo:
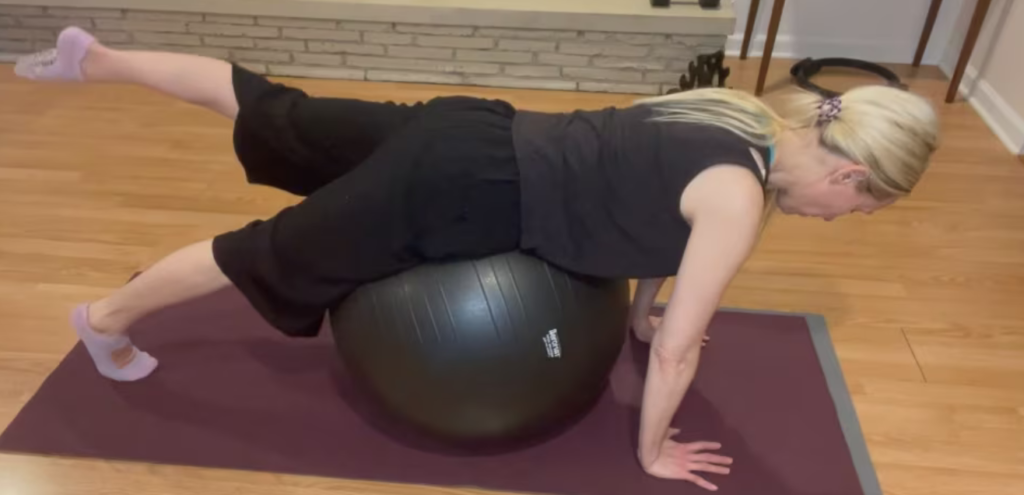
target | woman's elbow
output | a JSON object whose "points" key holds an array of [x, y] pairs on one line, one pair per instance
{"points": [[672, 358]]}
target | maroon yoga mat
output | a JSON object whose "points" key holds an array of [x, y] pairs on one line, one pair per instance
{"points": [[232, 393]]}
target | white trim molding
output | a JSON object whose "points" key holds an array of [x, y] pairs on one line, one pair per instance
{"points": [[1007, 125]]}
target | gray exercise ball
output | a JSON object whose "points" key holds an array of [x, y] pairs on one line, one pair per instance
{"points": [[484, 353]]}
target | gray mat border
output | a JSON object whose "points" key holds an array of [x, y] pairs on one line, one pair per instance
{"points": [[836, 383]]}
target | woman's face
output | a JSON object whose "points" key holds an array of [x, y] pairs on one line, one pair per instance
{"points": [[829, 197], [814, 182]]}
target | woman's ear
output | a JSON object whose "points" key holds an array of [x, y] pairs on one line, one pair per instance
{"points": [[851, 173]]}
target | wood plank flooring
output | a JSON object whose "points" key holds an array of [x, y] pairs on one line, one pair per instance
{"points": [[922, 299]]}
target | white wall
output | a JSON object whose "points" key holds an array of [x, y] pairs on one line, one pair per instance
{"points": [[994, 81], [888, 31], [876, 30]]}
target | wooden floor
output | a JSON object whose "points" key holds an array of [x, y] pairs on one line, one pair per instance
{"points": [[922, 300]]}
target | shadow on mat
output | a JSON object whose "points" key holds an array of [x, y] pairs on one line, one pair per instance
{"points": [[161, 395], [316, 361], [388, 425]]}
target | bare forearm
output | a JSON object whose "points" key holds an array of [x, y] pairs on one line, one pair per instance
{"points": [[668, 379], [674, 357], [723, 206]]}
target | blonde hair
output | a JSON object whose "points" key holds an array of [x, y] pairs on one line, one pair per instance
{"points": [[890, 131]]}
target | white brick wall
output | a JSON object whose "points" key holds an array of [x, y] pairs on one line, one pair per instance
{"points": [[316, 72], [388, 38], [375, 51], [609, 49], [168, 39], [261, 56], [528, 34], [283, 45], [563, 60], [143, 26], [527, 45], [436, 30], [231, 19], [297, 23], [27, 34], [318, 59], [365, 26], [15, 46], [164, 16], [419, 77], [95, 13], [317, 34], [18, 10], [113, 36], [422, 65], [234, 30], [455, 42], [420, 52], [629, 63], [55, 22], [229, 42], [590, 73], [495, 56], [355, 48], [533, 71], [662, 77]]}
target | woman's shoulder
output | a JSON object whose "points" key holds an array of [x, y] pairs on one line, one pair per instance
{"points": [[702, 146]]}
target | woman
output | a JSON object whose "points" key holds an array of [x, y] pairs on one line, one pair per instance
{"points": [[674, 185]]}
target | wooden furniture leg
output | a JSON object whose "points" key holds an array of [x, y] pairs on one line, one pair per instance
{"points": [[769, 44], [755, 6], [965, 53], [926, 34]]}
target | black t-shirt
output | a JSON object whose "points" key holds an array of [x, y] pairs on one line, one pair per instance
{"points": [[601, 189]]}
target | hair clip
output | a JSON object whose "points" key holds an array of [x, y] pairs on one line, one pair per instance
{"points": [[829, 109]]}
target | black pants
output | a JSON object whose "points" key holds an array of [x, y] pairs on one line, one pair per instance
{"points": [[387, 187]]}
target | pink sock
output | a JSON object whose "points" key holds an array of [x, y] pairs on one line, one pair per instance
{"points": [[63, 63], [101, 347]]}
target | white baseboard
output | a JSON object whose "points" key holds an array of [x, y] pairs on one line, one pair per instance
{"points": [[8, 57], [1007, 125], [790, 47]]}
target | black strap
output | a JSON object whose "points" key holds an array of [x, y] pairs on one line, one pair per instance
{"points": [[807, 68]]}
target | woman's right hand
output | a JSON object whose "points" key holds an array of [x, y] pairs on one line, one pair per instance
{"points": [[681, 461]]}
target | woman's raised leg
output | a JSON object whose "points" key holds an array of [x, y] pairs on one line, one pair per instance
{"points": [[80, 57], [185, 274]]}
